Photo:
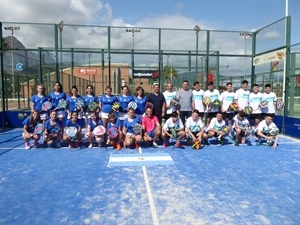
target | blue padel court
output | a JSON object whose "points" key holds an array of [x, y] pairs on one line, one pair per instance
{"points": [[215, 185]]}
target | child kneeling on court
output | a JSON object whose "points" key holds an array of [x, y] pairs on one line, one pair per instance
{"points": [[53, 130], [268, 130], [95, 130], [114, 131], [128, 129], [73, 131], [215, 129], [194, 130], [28, 129], [241, 128], [173, 128], [151, 127]]}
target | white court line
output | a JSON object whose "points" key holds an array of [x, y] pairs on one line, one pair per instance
{"points": [[150, 197]]}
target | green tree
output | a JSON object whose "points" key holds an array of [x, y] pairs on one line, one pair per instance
{"points": [[169, 73]]}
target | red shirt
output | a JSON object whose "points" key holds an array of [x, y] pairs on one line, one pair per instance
{"points": [[149, 123]]}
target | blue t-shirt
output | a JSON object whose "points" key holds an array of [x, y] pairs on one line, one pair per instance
{"points": [[89, 99], [26, 122], [54, 98], [141, 103], [119, 123], [129, 125], [69, 123], [38, 102], [72, 102], [56, 128], [124, 100], [92, 125], [107, 102]]}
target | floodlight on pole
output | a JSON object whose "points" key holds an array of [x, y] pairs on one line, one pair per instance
{"points": [[12, 29], [246, 35], [197, 30], [60, 25]]}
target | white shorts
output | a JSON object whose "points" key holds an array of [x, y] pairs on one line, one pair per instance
{"points": [[103, 115], [140, 115], [86, 115], [122, 116], [61, 114], [44, 116]]}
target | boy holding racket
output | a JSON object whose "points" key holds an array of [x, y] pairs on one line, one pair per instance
{"points": [[194, 129], [272, 99], [29, 125], [255, 99], [114, 131], [215, 129], [151, 127], [53, 130], [241, 127], [173, 128]]}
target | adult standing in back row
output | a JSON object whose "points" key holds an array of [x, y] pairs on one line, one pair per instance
{"points": [[185, 96], [159, 102]]}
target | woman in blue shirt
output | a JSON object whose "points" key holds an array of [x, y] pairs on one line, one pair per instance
{"points": [[105, 104], [37, 101], [55, 96], [140, 100], [124, 99], [128, 124]]}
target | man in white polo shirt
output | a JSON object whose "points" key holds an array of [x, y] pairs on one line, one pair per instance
{"points": [[169, 94], [197, 102], [242, 95]]}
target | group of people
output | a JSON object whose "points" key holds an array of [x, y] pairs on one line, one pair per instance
{"points": [[178, 115]]}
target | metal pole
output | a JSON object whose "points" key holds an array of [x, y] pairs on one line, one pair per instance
{"points": [[197, 29], [246, 36]]}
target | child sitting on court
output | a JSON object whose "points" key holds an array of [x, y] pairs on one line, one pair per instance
{"points": [[173, 128], [28, 129], [90, 136], [215, 129], [53, 130], [114, 131], [268, 130], [241, 128], [73, 122], [194, 129]]}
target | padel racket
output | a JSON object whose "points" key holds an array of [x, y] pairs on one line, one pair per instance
{"points": [[62, 104], [99, 130], [279, 105], [196, 143], [248, 110], [174, 101], [149, 105], [92, 106], [132, 105], [174, 133], [55, 129], [137, 128], [46, 106], [262, 104], [71, 132], [39, 129], [233, 107], [79, 103], [112, 133], [206, 101], [225, 129], [115, 106], [216, 104]]}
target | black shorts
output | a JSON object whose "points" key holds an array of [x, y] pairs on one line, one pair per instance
{"points": [[228, 116], [242, 133], [201, 114], [255, 116], [263, 115], [211, 115]]}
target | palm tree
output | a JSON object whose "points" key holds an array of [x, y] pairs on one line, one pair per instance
{"points": [[169, 73]]}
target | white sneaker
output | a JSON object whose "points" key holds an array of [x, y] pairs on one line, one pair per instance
{"points": [[27, 145], [155, 144], [90, 146]]}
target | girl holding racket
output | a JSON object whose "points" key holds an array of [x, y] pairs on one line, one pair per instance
{"points": [[88, 98], [53, 130], [90, 136], [130, 136], [28, 129], [140, 100], [73, 122], [105, 103], [54, 97], [37, 101], [114, 131], [124, 99], [72, 100]]}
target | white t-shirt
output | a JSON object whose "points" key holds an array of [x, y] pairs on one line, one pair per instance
{"points": [[169, 124], [271, 98], [195, 126], [263, 127], [213, 95], [254, 101], [227, 98], [242, 123], [215, 124], [198, 99], [168, 96], [242, 97]]}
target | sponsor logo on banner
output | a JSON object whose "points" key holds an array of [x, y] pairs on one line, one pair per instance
{"points": [[269, 57], [87, 71], [152, 74]]}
